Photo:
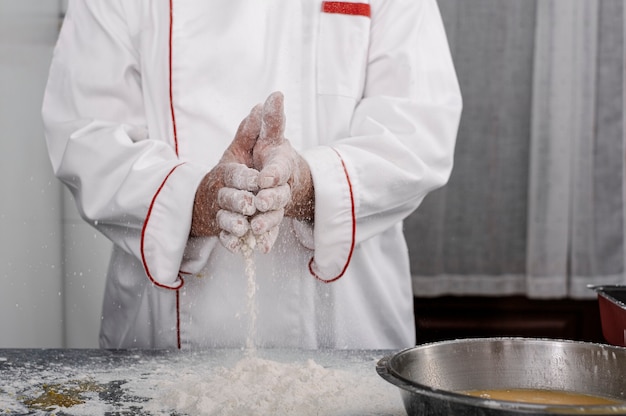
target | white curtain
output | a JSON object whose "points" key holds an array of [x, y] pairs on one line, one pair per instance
{"points": [[536, 203]]}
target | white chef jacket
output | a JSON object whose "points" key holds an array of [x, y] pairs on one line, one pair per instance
{"points": [[144, 96]]}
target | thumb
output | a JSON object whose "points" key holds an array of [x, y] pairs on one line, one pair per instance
{"points": [[248, 132], [273, 120]]}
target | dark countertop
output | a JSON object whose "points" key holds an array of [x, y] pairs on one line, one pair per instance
{"points": [[207, 382]]}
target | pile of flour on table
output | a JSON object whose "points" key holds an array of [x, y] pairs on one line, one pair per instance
{"points": [[256, 386]]}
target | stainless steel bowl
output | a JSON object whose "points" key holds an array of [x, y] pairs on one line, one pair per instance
{"points": [[431, 376]]}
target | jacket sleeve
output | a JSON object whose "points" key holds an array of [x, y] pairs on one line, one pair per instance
{"points": [[127, 181], [401, 136]]}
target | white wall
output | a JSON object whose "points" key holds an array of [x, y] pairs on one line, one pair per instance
{"points": [[52, 265]]}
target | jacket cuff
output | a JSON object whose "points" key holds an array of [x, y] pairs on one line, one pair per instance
{"points": [[335, 213], [167, 225], [304, 233], [196, 255]]}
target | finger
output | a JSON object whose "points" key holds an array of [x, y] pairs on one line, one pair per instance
{"points": [[264, 222], [273, 120], [266, 241], [230, 241], [236, 200], [239, 176], [232, 222], [272, 198], [276, 173]]}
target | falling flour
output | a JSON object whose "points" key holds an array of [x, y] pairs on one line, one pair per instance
{"points": [[247, 250]]}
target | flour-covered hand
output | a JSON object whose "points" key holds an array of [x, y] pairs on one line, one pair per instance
{"points": [[229, 187], [280, 164]]}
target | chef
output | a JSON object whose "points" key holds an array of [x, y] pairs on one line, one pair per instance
{"points": [[158, 120]]}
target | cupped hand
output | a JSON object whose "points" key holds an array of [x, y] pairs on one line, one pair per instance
{"points": [[280, 164], [225, 197], [284, 180]]}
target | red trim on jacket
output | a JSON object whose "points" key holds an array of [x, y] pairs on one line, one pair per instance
{"points": [[143, 234], [178, 342], [175, 133], [343, 7], [171, 87], [353, 242]]}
